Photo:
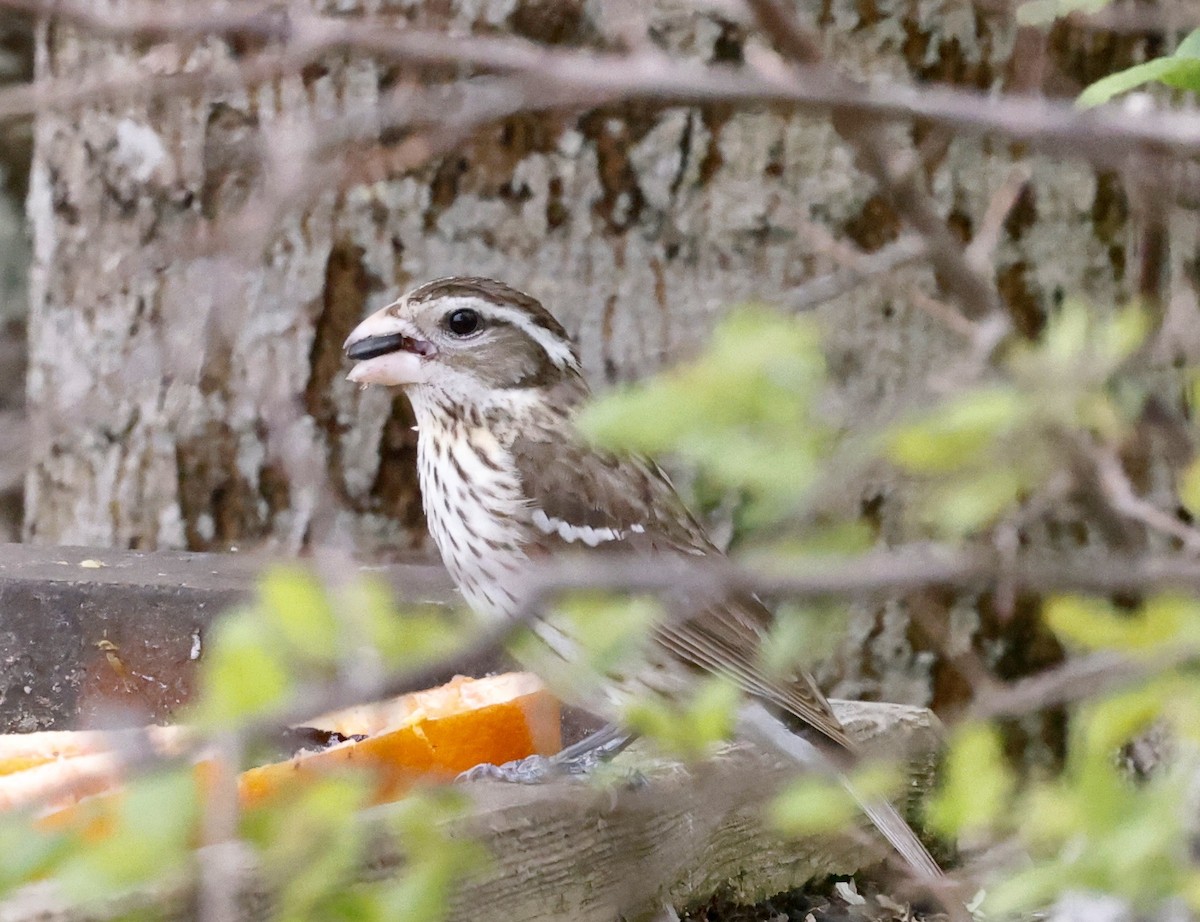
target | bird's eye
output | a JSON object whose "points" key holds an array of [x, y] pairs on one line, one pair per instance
{"points": [[462, 322]]}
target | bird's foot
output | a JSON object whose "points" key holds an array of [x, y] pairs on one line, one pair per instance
{"points": [[535, 769], [530, 770], [577, 761]]}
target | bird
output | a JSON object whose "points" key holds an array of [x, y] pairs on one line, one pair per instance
{"points": [[507, 481]]}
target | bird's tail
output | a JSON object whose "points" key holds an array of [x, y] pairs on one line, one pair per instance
{"points": [[762, 726], [893, 827]]}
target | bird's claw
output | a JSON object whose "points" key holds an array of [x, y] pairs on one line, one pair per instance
{"points": [[578, 760], [530, 770], [540, 769]]}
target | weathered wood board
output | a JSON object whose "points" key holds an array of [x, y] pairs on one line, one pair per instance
{"points": [[62, 607], [569, 851]]}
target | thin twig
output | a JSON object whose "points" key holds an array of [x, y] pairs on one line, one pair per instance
{"points": [[1119, 492], [943, 313], [1075, 680], [903, 252], [218, 858], [880, 572], [980, 250], [898, 172], [1104, 136]]}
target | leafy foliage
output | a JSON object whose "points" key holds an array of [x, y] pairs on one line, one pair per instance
{"points": [[314, 845], [689, 730], [310, 843], [1180, 70], [297, 633], [1092, 827], [980, 452], [976, 457], [977, 785], [746, 412], [817, 804]]}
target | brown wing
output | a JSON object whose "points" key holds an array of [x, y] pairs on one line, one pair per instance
{"points": [[582, 499], [725, 639]]}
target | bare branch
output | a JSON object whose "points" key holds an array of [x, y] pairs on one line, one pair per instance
{"points": [[1124, 499], [1075, 680], [981, 249], [1106, 136], [898, 172], [903, 252]]}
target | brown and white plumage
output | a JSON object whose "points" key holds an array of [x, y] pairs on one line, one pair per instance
{"points": [[495, 383]]}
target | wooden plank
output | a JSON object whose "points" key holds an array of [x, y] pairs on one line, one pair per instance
{"points": [[61, 608], [574, 851], [569, 849]]}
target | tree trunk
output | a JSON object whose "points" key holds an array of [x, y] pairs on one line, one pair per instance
{"points": [[198, 401]]}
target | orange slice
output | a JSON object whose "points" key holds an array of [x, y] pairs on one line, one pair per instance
{"points": [[429, 735], [433, 734], [21, 751]]}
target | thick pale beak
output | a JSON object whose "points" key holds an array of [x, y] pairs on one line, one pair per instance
{"points": [[386, 351]]}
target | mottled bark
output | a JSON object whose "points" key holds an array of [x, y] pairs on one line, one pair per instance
{"points": [[201, 403]]}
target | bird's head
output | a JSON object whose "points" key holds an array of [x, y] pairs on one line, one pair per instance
{"points": [[464, 337]]}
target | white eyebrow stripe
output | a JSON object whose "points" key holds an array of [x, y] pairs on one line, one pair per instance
{"points": [[574, 534], [557, 349]]}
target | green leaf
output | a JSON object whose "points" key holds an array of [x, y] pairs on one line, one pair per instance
{"points": [[1095, 624], [957, 433], [29, 851], [751, 462], [1104, 725], [421, 894], [1189, 488], [1190, 46], [978, 784], [1121, 335], [154, 821], [690, 730], [610, 628], [434, 856], [800, 635], [636, 419], [295, 605], [1180, 70], [398, 636], [1182, 74], [311, 843], [833, 539], [811, 806], [1023, 890], [759, 375], [963, 507], [243, 672]]}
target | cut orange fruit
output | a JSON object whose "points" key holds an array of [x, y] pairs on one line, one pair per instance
{"points": [[428, 735], [21, 751], [433, 734]]}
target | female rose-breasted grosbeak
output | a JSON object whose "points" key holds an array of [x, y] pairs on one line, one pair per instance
{"points": [[495, 383]]}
